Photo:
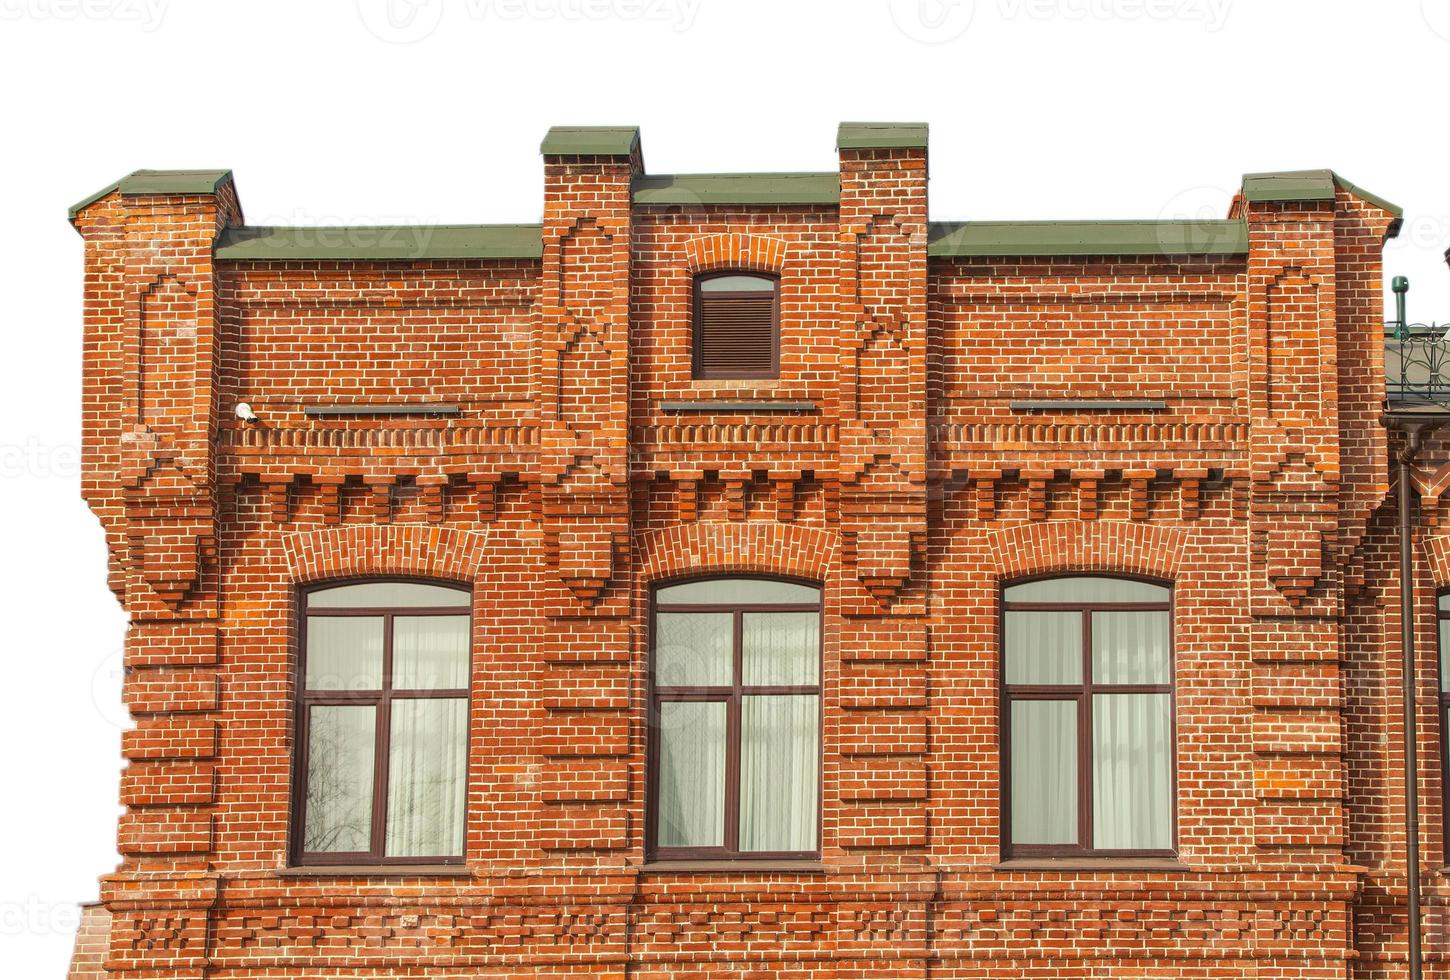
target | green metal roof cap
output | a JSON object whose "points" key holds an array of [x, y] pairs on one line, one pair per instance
{"points": [[883, 135], [794, 188], [1078, 238], [142, 182], [381, 243], [590, 141], [1308, 185]]}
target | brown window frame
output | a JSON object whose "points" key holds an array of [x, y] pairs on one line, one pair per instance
{"points": [[382, 698], [700, 373], [1082, 693], [1442, 701], [732, 696]]}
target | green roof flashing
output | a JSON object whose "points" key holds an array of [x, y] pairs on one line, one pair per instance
{"points": [[883, 135], [1069, 238], [382, 243], [792, 188], [590, 141], [1308, 185], [141, 182]]}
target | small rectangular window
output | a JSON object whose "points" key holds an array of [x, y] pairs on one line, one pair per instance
{"points": [[736, 326]]}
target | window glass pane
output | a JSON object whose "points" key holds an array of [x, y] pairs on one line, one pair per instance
{"points": [[1444, 602], [737, 284], [367, 595], [430, 652], [1085, 589], [427, 773], [781, 648], [739, 590], [344, 653], [1043, 647], [340, 748], [693, 649], [1132, 767], [1131, 648], [1445, 654], [779, 769], [1044, 772], [691, 809]]}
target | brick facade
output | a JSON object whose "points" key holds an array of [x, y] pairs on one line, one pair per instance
{"points": [[570, 481]]}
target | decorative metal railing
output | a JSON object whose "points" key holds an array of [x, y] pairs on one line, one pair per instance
{"points": [[1417, 365]]}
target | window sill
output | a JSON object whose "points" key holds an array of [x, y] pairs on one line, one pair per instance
{"points": [[733, 867], [376, 871], [1091, 864]]}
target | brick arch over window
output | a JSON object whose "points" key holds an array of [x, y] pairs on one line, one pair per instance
{"points": [[371, 549], [717, 549], [1053, 547], [749, 252]]}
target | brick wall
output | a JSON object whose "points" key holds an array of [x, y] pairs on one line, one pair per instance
{"points": [[563, 490]]}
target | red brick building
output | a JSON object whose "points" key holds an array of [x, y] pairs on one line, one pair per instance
{"points": [[744, 575]]}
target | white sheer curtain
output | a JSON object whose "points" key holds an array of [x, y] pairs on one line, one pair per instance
{"points": [[344, 653], [1044, 772], [780, 733], [781, 649], [692, 774], [1130, 647], [341, 740], [430, 652], [1444, 649], [779, 769], [1044, 647], [1131, 772], [427, 774], [693, 649]]}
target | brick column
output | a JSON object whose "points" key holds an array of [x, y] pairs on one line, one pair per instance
{"points": [[148, 473], [584, 404], [882, 397], [1294, 472]]}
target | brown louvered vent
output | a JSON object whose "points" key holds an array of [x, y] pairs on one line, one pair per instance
{"points": [[736, 326]]}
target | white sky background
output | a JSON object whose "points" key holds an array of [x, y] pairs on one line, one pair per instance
{"points": [[330, 113]]}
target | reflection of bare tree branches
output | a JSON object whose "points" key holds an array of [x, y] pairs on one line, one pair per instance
{"points": [[339, 783]]}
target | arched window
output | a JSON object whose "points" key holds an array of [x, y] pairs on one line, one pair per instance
{"points": [[1087, 718], [737, 326], [382, 724], [735, 753]]}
